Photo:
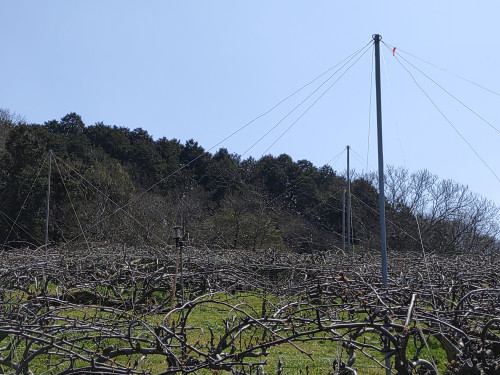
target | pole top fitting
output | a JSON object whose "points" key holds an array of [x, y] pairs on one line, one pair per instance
{"points": [[377, 37]]}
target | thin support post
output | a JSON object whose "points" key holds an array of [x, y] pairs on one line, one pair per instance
{"points": [[343, 219], [349, 250], [383, 240], [181, 265], [47, 208], [183, 322], [174, 284]]}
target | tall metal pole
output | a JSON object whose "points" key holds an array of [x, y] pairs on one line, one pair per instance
{"points": [[48, 202], [383, 240], [348, 206]]}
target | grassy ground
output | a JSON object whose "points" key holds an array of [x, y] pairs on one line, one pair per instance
{"points": [[321, 353], [206, 322]]}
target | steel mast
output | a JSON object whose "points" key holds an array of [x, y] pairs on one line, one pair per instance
{"points": [[383, 238]]}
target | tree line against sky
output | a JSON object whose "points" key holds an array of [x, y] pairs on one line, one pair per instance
{"points": [[110, 184]]}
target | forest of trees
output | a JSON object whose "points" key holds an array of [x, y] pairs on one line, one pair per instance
{"points": [[113, 185]]}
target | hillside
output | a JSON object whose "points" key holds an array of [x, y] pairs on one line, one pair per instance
{"points": [[110, 184]]}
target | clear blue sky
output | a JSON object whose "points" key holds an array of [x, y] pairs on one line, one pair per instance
{"points": [[203, 69]]}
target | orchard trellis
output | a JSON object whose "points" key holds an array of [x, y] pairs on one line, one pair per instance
{"points": [[107, 311]]}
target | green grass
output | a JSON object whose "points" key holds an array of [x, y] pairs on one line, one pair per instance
{"points": [[207, 319], [323, 350]]}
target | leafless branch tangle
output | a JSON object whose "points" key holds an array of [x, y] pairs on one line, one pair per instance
{"points": [[107, 310]]}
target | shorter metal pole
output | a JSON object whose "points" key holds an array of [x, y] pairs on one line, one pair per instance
{"points": [[343, 219], [47, 216], [182, 272], [174, 284], [47, 208], [177, 234], [349, 250], [183, 326]]}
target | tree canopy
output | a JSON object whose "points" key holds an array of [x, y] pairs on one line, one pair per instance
{"points": [[116, 185]]}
